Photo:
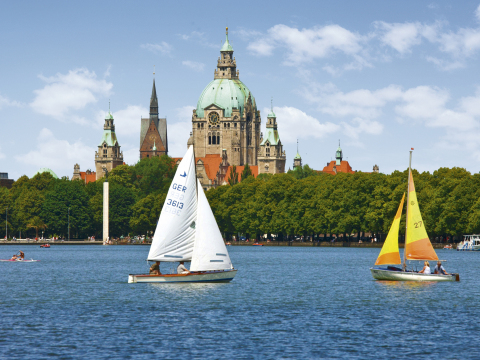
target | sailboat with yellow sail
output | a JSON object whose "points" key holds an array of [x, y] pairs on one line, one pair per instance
{"points": [[417, 244]]}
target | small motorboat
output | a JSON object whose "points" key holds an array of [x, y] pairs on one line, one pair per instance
{"points": [[257, 244], [448, 247], [45, 246]]}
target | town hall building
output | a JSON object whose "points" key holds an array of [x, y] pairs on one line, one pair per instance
{"points": [[226, 128]]}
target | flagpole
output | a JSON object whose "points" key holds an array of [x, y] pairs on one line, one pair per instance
{"points": [[406, 220]]}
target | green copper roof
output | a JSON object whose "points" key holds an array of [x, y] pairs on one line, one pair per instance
{"points": [[109, 116], [271, 136], [271, 114], [297, 156], [226, 46], [109, 137], [226, 94], [47, 170]]}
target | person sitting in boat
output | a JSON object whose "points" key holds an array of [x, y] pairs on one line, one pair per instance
{"points": [[22, 255], [426, 268], [439, 269], [14, 257], [155, 269], [181, 269]]}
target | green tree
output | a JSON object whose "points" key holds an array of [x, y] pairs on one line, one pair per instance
{"points": [[246, 172], [233, 178]]}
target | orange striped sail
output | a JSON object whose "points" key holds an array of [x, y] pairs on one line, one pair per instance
{"points": [[389, 253], [418, 245]]}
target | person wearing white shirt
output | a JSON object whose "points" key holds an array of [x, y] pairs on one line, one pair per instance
{"points": [[426, 268]]}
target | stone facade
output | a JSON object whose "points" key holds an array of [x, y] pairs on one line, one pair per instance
{"points": [[153, 131], [108, 155]]}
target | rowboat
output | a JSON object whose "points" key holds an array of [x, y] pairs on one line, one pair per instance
{"points": [[187, 231], [417, 244]]}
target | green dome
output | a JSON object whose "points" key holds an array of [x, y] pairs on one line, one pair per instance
{"points": [[226, 94], [47, 170], [297, 156]]}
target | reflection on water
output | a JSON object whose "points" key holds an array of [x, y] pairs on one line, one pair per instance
{"points": [[406, 284]]}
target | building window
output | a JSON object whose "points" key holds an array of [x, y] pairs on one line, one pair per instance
{"points": [[235, 125], [202, 125], [218, 138], [224, 125], [198, 126], [209, 139], [228, 126]]}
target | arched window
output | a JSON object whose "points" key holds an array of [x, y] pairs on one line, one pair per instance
{"points": [[218, 138], [198, 125], [228, 125], [209, 138]]}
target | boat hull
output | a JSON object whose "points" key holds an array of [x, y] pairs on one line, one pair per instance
{"points": [[18, 260], [394, 275], [207, 276]]}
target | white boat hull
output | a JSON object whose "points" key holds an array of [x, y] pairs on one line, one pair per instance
{"points": [[393, 275], [207, 276]]}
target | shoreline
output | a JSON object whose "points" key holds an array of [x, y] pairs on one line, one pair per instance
{"points": [[243, 243]]}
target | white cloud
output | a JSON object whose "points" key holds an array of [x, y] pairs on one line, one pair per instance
{"points": [[58, 155], [477, 13], [308, 44], [445, 65], [360, 126], [162, 48], [294, 123], [66, 92], [179, 131], [462, 43], [7, 102], [197, 66]]}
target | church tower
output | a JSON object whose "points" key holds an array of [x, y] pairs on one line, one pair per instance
{"points": [[226, 116], [108, 155], [271, 157], [153, 130]]}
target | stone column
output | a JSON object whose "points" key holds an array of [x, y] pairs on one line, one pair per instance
{"points": [[105, 212]]}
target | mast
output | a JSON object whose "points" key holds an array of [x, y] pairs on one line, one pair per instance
{"points": [[404, 267]]}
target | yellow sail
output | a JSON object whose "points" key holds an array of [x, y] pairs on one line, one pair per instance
{"points": [[418, 245], [389, 253]]}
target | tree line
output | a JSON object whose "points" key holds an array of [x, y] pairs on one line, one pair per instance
{"points": [[300, 202]]}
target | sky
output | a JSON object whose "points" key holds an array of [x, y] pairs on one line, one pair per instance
{"points": [[381, 77]]}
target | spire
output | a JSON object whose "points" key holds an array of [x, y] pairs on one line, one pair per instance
{"points": [[153, 99], [226, 46], [272, 114], [298, 154], [339, 154], [154, 146]]}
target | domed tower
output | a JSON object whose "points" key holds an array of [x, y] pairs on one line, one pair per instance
{"points": [[297, 160], [226, 116], [271, 157], [108, 155]]}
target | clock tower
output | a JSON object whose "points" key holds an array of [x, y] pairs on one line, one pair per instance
{"points": [[226, 117]]}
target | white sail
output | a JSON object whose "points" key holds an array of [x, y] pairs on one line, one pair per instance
{"points": [[210, 252], [175, 233]]}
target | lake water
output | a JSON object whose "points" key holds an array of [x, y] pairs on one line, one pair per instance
{"points": [[285, 302]]}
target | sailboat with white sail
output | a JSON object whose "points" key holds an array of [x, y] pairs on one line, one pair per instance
{"points": [[417, 244], [187, 231]]}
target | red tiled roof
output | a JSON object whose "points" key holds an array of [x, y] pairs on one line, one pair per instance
{"points": [[211, 162], [344, 167], [89, 178], [239, 169]]}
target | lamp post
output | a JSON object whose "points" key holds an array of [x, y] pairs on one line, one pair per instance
{"points": [[69, 224]]}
